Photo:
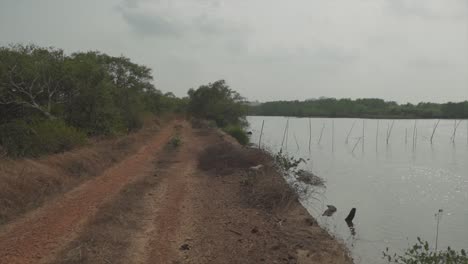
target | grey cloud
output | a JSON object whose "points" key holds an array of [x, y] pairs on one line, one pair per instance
{"points": [[456, 9], [321, 59], [402, 50], [153, 23], [429, 63]]}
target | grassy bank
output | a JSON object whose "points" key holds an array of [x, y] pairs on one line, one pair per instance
{"points": [[28, 183], [286, 227]]}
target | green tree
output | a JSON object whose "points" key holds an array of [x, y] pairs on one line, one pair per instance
{"points": [[32, 77], [216, 101]]}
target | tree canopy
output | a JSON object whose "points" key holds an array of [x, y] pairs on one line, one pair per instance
{"points": [[89, 92], [216, 101]]}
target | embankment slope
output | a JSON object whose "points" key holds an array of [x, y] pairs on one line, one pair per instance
{"points": [[165, 205]]}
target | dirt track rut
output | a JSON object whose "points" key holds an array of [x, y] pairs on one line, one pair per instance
{"points": [[43, 231]]}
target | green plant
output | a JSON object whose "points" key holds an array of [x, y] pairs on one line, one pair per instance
{"points": [[286, 163], [420, 253], [238, 133], [175, 141], [217, 102], [19, 138]]}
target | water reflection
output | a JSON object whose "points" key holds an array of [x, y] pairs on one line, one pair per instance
{"points": [[351, 228], [396, 186]]}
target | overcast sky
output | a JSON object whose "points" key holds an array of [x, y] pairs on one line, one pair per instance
{"points": [[402, 50]]}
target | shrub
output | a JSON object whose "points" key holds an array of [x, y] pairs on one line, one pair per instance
{"points": [[238, 133], [175, 141], [420, 253], [39, 137], [225, 158], [287, 164], [16, 138], [217, 102]]}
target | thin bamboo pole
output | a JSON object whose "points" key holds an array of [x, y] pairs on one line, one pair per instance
{"points": [[321, 133], [414, 134], [434, 129], [333, 135], [310, 133], [261, 133], [406, 136], [284, 133], [349, 132], [377, 136], [389, 131], [355, 145], [438, 215], [295, 139], [416, 141], [363, 138], [455, 126]]}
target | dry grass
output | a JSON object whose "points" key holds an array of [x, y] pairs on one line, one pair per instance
{"points": [[225, 158], [26, 184], [264, 189], [268, 190]]}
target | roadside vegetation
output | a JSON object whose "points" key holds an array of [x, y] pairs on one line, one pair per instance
{"points": [[421, 253], [368, 108], [225, 107], [51, 102]]}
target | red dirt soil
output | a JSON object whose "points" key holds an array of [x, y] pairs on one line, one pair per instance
{"points": [[183, 214], [33, 237]]}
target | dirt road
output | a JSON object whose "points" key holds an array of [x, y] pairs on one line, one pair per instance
{"points": [[157, 206]]}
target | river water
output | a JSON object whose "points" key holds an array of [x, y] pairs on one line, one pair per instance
{"points": [[397, 188]]}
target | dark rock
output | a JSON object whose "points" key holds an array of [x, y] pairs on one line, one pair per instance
{"points": [[310, 221], [184, 247], [254, 230]]}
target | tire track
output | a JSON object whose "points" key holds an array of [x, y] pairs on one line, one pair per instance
{"points": [[46, 230]]}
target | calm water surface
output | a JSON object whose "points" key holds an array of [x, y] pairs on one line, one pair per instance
{"points": [[397, 188]]}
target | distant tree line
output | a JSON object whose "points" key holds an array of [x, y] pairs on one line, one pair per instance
{"points": [[50, 101], [367, 108]]}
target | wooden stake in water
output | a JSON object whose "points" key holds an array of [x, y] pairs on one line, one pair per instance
{"points": [[416, 141], [355, 145], [389, 131], [406, 136], [438, 216], [287, 136], [321, 133], [363, 127], [377, 136], [434, 130], [333, 135], [414, 135], [310, 133], [455, 126], [284, 133], [349, 132], [295, 139], [261, 133]]}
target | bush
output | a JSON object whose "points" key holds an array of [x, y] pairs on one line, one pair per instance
{"points": [[175, 141], [225, 158], [19, 138], [420, 253], [238, 133], [217, 102]]}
